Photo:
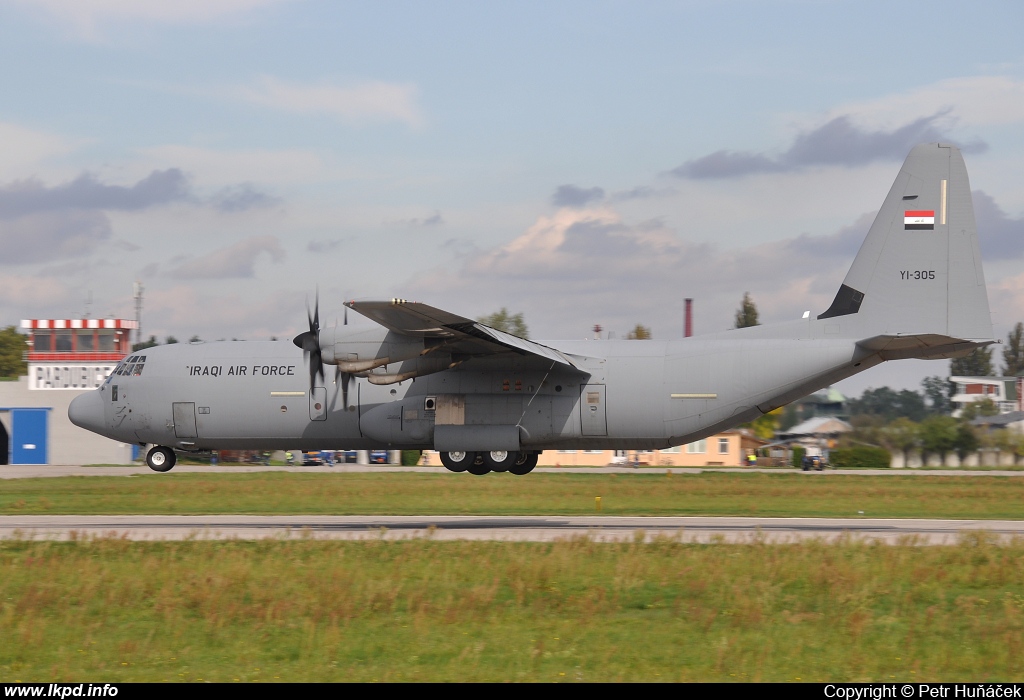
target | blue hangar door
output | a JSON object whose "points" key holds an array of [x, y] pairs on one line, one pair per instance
{"points": [[29, 435]]}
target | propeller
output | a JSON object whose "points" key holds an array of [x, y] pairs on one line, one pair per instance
{"points": [[310, 342], [345, 377]]}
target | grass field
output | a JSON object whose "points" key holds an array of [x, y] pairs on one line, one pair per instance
{"points": [[111, 610], [756, 494]]}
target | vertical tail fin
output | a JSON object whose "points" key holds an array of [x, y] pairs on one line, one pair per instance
{"points": [[919, 269]]}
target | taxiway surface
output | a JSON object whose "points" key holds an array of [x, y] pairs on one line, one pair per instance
{"points": [[509, 528]]}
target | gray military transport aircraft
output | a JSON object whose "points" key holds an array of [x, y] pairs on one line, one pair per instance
{"points": [[490, 401]]}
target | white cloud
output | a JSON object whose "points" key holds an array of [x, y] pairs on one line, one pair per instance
{"points": [[85, 16], [234, 261], [372, 101], [27, 152], [185, 310], [217, 168], [973, 101], [576, 268], [21, 295]]}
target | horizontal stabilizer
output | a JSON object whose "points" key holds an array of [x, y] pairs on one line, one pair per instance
{"points": [[924, 346]]}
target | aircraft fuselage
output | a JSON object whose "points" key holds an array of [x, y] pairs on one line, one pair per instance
{"points": [[623, 395]]}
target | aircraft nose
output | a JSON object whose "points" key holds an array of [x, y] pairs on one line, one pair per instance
{"points": [[86, 411]]}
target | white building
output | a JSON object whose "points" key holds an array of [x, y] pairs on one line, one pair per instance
{"points": [[65, 358], [1004, 392]]}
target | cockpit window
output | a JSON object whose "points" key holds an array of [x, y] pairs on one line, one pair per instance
{"points": [[131, 366]]}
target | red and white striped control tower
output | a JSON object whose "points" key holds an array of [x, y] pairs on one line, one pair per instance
{"points": [[77, 353]]}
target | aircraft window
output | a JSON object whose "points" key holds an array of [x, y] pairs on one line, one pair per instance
{"points": [[137, 368], [142, 358]]}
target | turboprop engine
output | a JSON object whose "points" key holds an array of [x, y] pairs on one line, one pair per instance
{"points": [[363, 353]]}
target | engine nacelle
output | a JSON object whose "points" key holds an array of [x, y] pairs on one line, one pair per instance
{"points": [[362, 351]]}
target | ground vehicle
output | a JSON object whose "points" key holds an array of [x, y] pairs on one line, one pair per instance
{"points": [[813, 459]]}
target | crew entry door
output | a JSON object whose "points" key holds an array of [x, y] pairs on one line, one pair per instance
{"points": [[592, 414], [185, 420]]}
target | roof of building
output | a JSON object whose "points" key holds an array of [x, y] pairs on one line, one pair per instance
{"points": [[821, 425], [1001, 420], [827, 395], [59, 323], [981, 380]]}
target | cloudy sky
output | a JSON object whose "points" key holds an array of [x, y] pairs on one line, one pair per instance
{"points": [[581, 162]]}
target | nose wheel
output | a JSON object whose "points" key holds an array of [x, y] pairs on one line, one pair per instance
{"points": [[161, 459]]}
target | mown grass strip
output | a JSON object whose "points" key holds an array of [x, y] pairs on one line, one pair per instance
{"points": [[756, 494], [111, 610]]}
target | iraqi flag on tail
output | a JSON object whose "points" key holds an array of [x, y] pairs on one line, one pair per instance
{"points": [[919, 220]]}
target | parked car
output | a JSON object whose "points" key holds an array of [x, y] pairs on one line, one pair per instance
{"points": [[311, 460], [379, 457]]}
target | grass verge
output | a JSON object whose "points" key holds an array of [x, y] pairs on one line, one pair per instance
{"points": [[757, 494], [111, 610]]}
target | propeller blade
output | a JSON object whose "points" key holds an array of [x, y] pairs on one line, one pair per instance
{"points": [[345, 378], [309, 341]]}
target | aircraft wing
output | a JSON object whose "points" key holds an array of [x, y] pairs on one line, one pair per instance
{"points": [[459, 333]]}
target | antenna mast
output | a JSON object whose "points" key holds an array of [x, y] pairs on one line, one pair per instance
{"points": [[137, 295]]}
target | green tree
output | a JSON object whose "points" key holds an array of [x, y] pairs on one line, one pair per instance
{"points": [[765, 426], [504, 321], [937, 391], [746, 315], [901, 435], [151, 343], [13, 346], [981, 407], [977, 364], [171, 340], [939, 435], [967, 440], [641, 332], [1013, 353], [195, 339], [888, 404]]}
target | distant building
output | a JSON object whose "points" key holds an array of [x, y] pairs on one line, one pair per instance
{"points": [[1011, 420], [820, 428], [726, 449], [1004, 392], [826, 402], [822, 433], [65, 358]]}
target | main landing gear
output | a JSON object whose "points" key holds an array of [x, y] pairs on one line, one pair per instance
{"points": [[480, 463], [161, 459]]}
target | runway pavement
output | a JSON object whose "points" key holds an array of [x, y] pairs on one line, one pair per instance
{"points": [[29, 471], [509, 528]]}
